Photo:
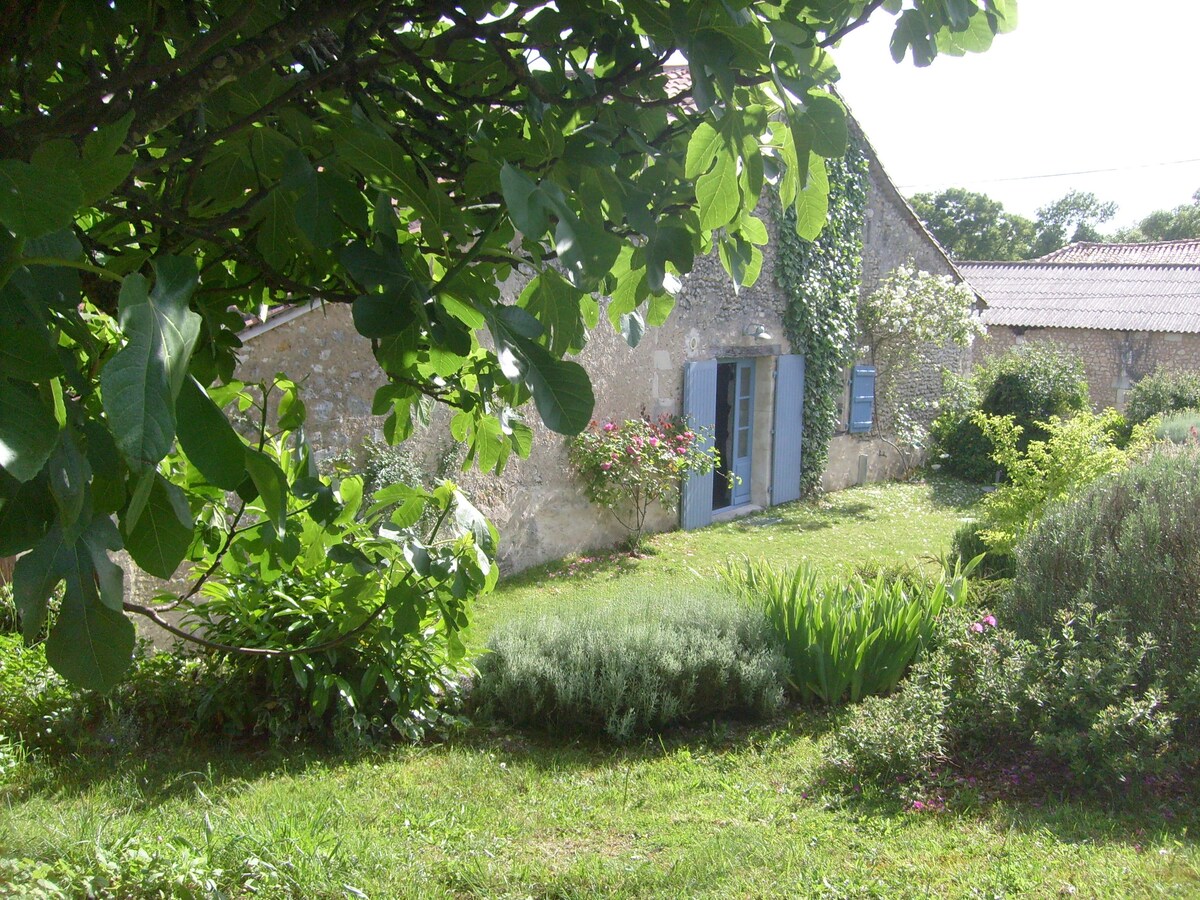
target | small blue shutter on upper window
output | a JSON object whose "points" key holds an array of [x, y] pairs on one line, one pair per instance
{"points": [[700, 409], [862, 399]]}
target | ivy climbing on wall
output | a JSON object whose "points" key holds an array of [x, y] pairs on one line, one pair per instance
{"points": [[820, 281]]}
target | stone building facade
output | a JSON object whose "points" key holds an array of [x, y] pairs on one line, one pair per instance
{"points": [[537, 504], [1126, 309]]}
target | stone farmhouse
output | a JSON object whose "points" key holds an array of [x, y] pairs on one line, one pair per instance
{"points": [[1126, 309], [721, 358]]}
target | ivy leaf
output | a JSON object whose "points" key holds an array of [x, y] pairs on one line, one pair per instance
{"points": [[140, 383], [28, 431], [159, 540]]}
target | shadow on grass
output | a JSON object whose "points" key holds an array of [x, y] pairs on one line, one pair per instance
{"points": [[952, 493]]}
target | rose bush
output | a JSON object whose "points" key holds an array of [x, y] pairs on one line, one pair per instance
{"points": [[629, 466]]}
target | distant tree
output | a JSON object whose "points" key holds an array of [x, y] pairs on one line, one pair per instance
{"points": [[974, 226], [1176, 224], [1080, 210]]}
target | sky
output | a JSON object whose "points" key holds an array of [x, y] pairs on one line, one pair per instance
{"points": [[1081, 85]]}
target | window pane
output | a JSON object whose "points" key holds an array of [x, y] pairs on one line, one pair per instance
{"points": [[744, 381], [743, 442]]}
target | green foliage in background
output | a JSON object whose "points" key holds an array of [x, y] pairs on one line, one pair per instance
{"points": [[1162, 391], [1180, 428], [637, 665], [845, 638], [168, 169], [1031, 382], [820, 280]]}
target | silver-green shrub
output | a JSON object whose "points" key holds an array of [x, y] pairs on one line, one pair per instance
{"points": [[632, 666], [1130, 543]]}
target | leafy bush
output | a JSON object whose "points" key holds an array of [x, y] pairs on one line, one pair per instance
{"points": [[43, 712], [1081, 694], [8, 610], [1161, 392], [845, 638], [1129, 543], [1031, 383], [628, 467], [967, 543], [1180, 428], [1075, 453], [638, 665]]}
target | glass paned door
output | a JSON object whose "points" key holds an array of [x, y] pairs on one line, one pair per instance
{"points": [[734, 433]]}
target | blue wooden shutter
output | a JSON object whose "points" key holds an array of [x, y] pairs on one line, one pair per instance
{"points": [[862, 399], [700, 409], [789, 428]]}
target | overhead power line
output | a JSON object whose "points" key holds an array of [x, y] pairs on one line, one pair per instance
{"points": [[1153, 165]]}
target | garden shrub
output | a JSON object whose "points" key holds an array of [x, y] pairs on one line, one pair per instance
{"points": [[967, 543], [1131, 544], [1081, 695], [629, 466], [845, 638], [357, 691], [1162, 391], [1031, 383], [1180, 428], [40, 710], [8, 610], [638, 665], [1074, 453]]}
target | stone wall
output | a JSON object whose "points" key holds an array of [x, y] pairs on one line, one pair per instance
{"points": [[892, 236], [537, 505], [1113, 360]]}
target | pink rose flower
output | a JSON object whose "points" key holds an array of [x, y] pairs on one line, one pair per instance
{"points": [[989, 621], [977, 627], [609, 426], [605, 466]]}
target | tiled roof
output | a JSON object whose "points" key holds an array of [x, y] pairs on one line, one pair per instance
{"points": [[1154, 253], [1112, 297]]}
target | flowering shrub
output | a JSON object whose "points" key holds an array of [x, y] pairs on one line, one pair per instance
{"points": [[1087, 702], [627, 467]]}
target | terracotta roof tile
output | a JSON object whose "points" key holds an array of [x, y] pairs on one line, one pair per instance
{"points": [[1154, 253]]}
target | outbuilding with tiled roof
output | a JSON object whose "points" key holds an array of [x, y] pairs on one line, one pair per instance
{"points": [[1127, 309]]}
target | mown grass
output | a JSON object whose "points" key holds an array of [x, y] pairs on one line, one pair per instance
{"points": [[713, 811]]}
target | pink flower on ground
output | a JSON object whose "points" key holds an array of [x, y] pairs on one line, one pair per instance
{"points": [[917, 806], [977, 627], [989, 621], [609, 426], [653, 442], [605, 466]]}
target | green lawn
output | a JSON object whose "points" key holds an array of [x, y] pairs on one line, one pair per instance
{"points": [[715, 811]]}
